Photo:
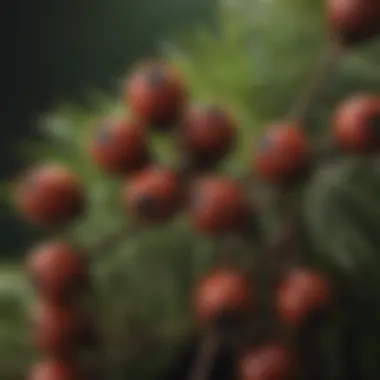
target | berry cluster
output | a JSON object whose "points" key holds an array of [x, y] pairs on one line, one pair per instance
{"points": [[216, 206]]}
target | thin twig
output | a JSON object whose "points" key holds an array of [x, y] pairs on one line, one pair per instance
{"points": [[206, 356], [329, 61]]}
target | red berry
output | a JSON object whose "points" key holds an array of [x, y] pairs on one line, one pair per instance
{"points": [[356, 125], [53, 369], [268, 362], [120, 146], [207, 134], [57, 270], [222, 293], [283, 154], [49, 195], [156, 94], [217, 205], [354, 21], [58, 330], [301, 293], [153, 195]]}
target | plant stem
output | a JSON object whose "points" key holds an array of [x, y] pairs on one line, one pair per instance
{"points": [[330, 58], [206, 356]]}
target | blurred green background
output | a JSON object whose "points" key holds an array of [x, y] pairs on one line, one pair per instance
{"points": [[253, 56]]}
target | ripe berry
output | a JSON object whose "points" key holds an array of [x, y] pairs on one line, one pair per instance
{"points": [[207, 134], [217, 205], [57, 330], [283, 154], [49, 195], [58, 271], [268, 362], [222, 296], [53, 369], [354, 21], [153, 195], [120, 146], [356, 125], [302, 293], [156, 94]]}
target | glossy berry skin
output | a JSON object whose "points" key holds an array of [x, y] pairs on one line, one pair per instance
{"points": [[283, 154], [224, 293], [153, 196], [217, 206], [49, 195], [57, 330], [354, 21], [57, 270], [207, 134], [268, 362], [156, 94], [301, 293], [53, 369], [119, 146], [356, 125]]}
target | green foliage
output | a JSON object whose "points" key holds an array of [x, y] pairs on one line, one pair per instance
{"points": [[255, 63]]}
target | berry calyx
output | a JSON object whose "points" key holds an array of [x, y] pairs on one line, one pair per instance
{"points": [[153, 196], [268, 362], [57, 270], [207, 134], [283, 154], [356, 124], [301, 293], [119, 146], [54, 369], [156, 94], [217, 205], [354, 21], [222, 296], [49, 195], [58, 330]]}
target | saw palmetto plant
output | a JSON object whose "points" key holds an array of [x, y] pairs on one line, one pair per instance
{"points": [[206, 202]]}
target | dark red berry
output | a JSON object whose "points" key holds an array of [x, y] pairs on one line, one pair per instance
{"points": [[283, 154], [58, 271], [207, 134], [153, 195], [222, 293], [354, 21], [356, 124], [119, 146], [57, 330], [302, 293], [156, 94], [49, 195], [217, 205], [54, 369], [268, 362]]}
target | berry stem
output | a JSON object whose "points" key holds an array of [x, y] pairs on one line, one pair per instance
{"points": [[206, 356], [112, 240], [330, 58]]}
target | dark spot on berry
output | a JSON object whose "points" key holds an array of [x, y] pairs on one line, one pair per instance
{"points": [[374, 125], [156, 78], [102, 136], [147, 206]]}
